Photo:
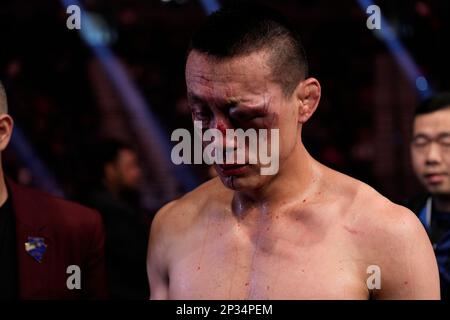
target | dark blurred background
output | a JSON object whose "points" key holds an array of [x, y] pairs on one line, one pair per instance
{"points": [[63, 99]]}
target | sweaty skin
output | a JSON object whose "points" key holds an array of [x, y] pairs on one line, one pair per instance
{"points": [[307, 232]]}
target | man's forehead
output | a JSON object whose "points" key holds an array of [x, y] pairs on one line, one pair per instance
{"points": [[249, 100], [201, 66], [434, 121], [230, 80]]}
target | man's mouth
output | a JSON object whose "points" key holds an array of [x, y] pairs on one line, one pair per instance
{"points": [[232, 169], [435, 178]]}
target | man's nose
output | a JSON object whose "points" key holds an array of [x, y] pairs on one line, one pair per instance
{"points": [[433, 154], [223, 125]]}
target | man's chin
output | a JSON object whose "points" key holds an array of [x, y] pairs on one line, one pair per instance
{"points": [[440, 191]]}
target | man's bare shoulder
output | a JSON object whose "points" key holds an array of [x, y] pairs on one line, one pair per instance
{"points": [[391, 237], [375, 222], [182, 213], [379, 214], [368, 209]]}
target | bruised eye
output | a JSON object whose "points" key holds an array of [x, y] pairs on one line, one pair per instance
{"points": [[244, 117], [247, 115], [201, 114]]}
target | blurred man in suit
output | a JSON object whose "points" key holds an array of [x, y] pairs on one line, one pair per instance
{"points": [[116, 197], [50, 248], [430, 152]]}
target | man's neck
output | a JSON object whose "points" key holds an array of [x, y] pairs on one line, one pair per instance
{"points": [[442, 203], [296, 179]]}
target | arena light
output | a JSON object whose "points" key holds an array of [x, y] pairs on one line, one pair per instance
{"points": [[387, 34], [143, 121], [210, 6], [41, 175]]}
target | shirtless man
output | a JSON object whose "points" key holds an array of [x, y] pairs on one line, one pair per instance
{"points": [[307, 232]]}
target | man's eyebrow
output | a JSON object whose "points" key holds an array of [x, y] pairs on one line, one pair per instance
{"points": [[444, 134], [420, 135], [423, 135], [256, 111], [194, 98]]}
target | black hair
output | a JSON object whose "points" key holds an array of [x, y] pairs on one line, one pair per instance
{"points": [[241, 29], [104, 152], [437, 102]]}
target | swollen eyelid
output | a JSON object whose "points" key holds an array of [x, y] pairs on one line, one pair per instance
{"points": [[248, 114]]}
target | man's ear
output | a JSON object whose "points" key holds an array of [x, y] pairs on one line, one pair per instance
{"points": [[307, 95], [6, 128]]}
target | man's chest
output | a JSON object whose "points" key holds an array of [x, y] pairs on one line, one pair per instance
{"points": [[233, 265]]}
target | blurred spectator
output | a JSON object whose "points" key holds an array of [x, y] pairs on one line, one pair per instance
{"points": [[115, 195], [42, 236], [430, 150]]}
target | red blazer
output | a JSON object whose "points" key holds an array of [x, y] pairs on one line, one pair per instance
{"points": [[73, 234]]}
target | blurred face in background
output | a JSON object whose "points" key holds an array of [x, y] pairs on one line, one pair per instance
{"points": [[430, 151], [125, 172]]}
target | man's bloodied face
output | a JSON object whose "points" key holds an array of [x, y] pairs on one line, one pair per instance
{"points": [[239, 93]]}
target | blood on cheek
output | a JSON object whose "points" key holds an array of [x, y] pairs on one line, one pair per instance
{"points": [[220, 125]]}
